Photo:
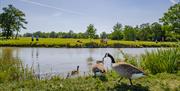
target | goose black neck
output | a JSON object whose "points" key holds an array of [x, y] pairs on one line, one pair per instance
{"points": [[112, 58]]}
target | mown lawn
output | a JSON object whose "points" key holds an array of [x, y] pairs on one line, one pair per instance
{"points": [[84, 43]]}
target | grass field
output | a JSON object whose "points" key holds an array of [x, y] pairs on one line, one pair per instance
{"points": [[84, 43]]}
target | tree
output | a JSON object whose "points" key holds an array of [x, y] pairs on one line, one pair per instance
{"points": [[53, 34], [129, 33], [172, 18], [27, 35], [169, 34], [157, 32], [71, 34], [12, 20], [117, 33], [103, 35], [91, 31], [145, 32], [81, 35]]}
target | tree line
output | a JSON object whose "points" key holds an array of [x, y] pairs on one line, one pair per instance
{"points": [[167, 29], [143, 32]]}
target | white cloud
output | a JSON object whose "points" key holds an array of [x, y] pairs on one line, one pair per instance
{"points": [[52, 7], [57, 14], [173, 1]]}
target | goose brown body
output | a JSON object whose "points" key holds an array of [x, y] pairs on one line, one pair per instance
{"points": [[126, 70], [98, 68], [74, 72]]}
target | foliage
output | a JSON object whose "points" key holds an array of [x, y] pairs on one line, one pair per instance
{"points": [[103, 35], [145, 32], [91, 31], [172, 18], [157, 33], [130, 33], [161, 60], [117, 33], [11, 20]]}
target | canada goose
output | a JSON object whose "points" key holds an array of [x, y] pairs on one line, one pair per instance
{"points": [[99, 69], [125, 70], [74, 72], [68, 75]]}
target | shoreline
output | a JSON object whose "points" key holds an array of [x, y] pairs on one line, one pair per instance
{"points": [[85, 43]]}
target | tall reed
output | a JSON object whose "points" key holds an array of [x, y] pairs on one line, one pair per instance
{"points": [[161, 60], [12, 68]]}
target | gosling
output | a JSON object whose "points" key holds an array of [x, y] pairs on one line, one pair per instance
{"points": [[75, 72]]}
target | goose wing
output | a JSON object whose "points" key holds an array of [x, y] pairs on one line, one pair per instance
{"points": [[127, 70], [130, 68]]}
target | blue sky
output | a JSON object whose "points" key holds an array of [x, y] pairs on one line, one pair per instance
{"points": [[76, 15]]}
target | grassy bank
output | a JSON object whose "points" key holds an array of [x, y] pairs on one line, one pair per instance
{"points": [[83, 43], [158, 82]]}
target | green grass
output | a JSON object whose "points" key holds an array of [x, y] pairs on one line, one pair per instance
{"points": [[162, 60], [158, 82], [86, 43]]}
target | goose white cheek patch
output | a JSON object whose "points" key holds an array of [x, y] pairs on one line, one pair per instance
{"points": [[98, 73], [136, 76]]}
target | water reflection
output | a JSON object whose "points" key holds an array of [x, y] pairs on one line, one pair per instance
{"points": [[90, 63], [7, 53]]}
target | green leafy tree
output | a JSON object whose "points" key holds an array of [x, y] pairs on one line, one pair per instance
{"points": [[12, 20], [81, 35], [103, 35], [53, 34], [145, 32], [130, 33], [71, 34], [27, 35], [91, 31], [169, 34], [172, 18], [157, 32], [117, 33]]}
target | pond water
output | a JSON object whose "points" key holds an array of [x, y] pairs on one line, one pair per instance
{"points": [[64, 60]]}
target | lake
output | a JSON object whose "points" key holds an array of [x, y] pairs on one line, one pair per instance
{"points": [[64, 60]]}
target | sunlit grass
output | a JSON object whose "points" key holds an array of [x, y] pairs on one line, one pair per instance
{"points": [[62, 42], [161, 60]]}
